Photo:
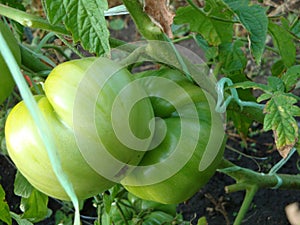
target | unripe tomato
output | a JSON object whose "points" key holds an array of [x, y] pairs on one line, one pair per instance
{"points": [[6, 81], [188, 178], [27, 150]]}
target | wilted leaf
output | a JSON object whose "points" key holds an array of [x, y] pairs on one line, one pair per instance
{"points": [[280, 111], [159, 12], [4, 208], [84, 19]]}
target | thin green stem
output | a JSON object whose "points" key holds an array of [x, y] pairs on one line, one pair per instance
{"points": [[250, 193], [246, 177], [44, 41], [30, 20], [75, 50], [143, 22], [223, 103], [282, 162], [58, 49], [182, 39]]}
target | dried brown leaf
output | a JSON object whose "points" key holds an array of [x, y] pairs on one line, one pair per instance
{"points": [[160, 14], [284, 150]]}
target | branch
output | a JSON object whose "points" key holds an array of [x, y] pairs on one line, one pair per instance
{"points": [[28, 20], [143, 22]]}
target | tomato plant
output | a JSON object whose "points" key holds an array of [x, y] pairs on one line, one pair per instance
{"points": [[148, 115], [26, 149], [185, 182]]}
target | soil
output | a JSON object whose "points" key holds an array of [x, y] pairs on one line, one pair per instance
{"points": [[219, 208], [268, 206]]}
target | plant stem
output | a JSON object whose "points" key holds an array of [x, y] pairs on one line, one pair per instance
{"points": [[246, 177], [251, 181], [143, 22], [250, 192], [30, 20]]}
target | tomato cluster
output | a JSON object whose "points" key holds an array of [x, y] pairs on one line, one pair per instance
{"points": [[185, 113]]}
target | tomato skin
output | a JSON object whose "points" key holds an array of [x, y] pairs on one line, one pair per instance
{"points": [[6, 81], [188, 180], [27, 150]]}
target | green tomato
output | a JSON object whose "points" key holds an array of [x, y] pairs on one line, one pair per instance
{"points": [[187, 176], [6, 81], [25, 146]]}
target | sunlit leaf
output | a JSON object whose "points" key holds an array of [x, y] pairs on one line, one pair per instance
{"points": [[22, 187], [84, 19]]}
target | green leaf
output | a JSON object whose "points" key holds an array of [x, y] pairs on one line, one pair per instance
{"points": [[19, 220], [84, 19], [214, 30], [254, 19], [157, 218], [63, 218], [291, 77], [202, 221], [117, 24], [35, 206], [253, 85], [295, 29], [105, 219], [232, 57], [4, 208], [22, 187], [241, 121], [276, 84], [280, 112], [211, 52], [278, 68], [284, 42], [264, 96], [107, 201]]}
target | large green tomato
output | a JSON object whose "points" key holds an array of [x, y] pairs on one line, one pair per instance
{"points": [[27, 150], [6, 81], [203, 139]]}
